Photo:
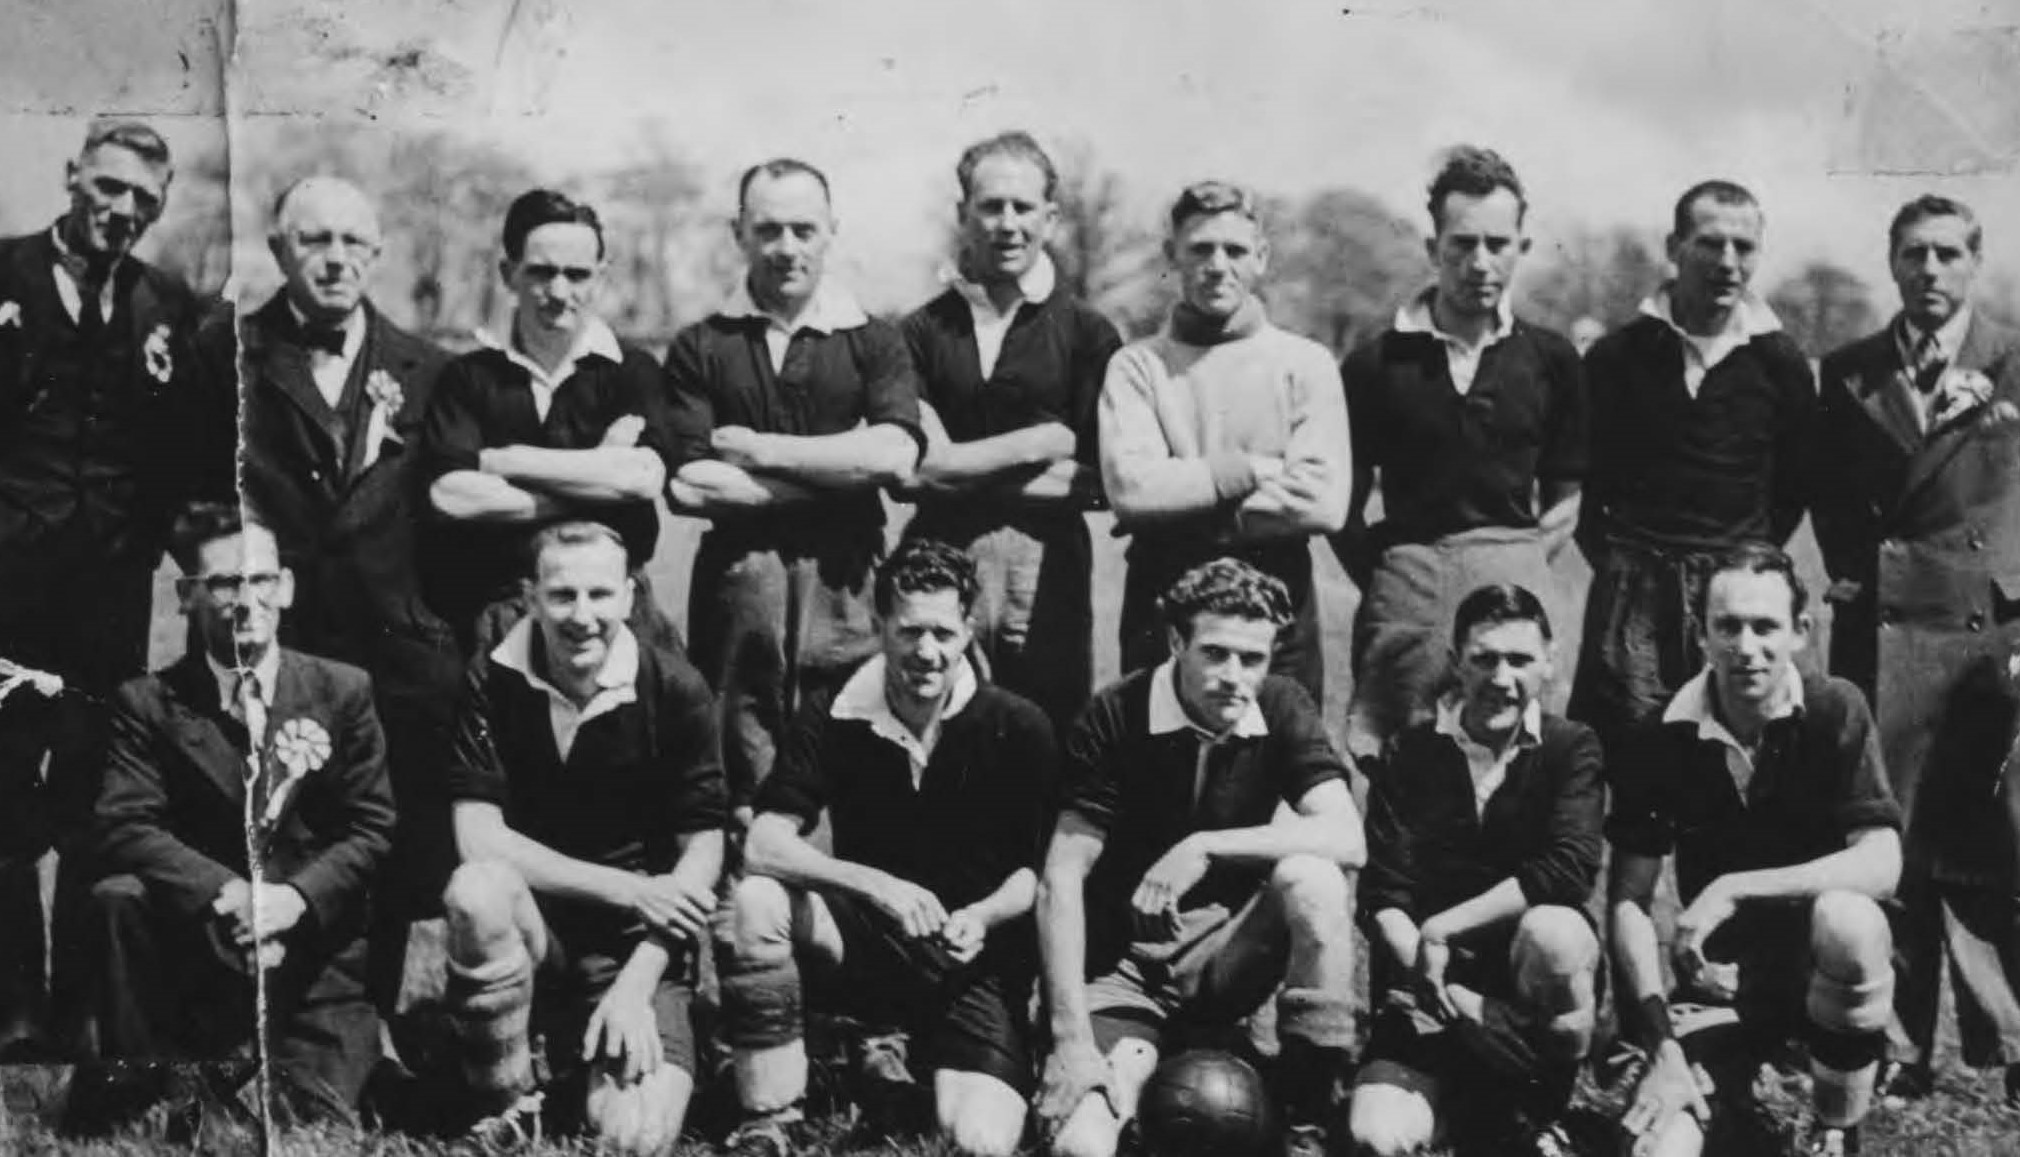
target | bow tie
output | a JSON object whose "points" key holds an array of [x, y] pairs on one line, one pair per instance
{"points": [[327, 338]]}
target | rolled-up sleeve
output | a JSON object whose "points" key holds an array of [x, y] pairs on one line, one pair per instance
{"points": [[689, 408], [1565, 866]]}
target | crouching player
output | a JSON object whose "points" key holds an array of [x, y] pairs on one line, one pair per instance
{"points": [[935, 787], [1768, 787], [1199, 862], [1483, 845], [589, 810]]}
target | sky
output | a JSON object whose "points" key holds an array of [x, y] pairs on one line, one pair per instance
{"points": [[1833, 111]]}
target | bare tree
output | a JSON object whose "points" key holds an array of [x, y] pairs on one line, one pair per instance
{"points": [[1105, 253], [1823, 307], [1598, 273], [1342, 262]]}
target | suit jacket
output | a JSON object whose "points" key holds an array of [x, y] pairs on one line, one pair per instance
{"points": [[346, 531], [157, 409], [1921, 537], [173, 807]]}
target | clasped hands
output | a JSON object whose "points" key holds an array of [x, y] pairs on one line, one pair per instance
{"points": [[257, 915]]}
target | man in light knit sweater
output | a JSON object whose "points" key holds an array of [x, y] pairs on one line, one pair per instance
{"points": [[1223, 435]]}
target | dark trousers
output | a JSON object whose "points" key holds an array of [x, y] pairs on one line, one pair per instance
{"points": [[1299, 653], [169, 987], [1643, 638], [65, 608]]}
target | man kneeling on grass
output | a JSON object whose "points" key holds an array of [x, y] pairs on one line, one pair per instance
{"points": [[1483, 845], [935, 787], [1200, 862], [1767, 786], [589, 810]]}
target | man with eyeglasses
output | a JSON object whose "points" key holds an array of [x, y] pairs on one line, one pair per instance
{"points": [[555, 421], [102, 416], [334, 394], [244, 811]]}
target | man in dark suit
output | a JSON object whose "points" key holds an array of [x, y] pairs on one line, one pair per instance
{"points": [[98, 421], [244, 810], [334, 395], [1917, 509]]}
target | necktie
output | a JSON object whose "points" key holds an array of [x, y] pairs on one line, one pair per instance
{"points": [[248, 707], [1929, 363]]}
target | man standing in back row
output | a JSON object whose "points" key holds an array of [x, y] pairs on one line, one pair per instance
{"points": [[1918, 514], [1476, 421], [1223, 435], [1011, 364], [790, 406], [1701, 412]]}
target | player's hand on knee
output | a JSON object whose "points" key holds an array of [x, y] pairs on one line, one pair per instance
{"points": [[623, 1032], [675, 904], [915, 909], [1154, 907], [1075, 1070], [1668, 1088], [964, 934]]}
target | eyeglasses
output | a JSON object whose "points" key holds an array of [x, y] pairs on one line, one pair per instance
{"points": [[576, 274], [232, 588]]}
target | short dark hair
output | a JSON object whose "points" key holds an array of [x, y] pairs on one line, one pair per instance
{"points": [[1475, 172], [924, 565], [540, 207], [1208, 198], [1016, 143], [774, 169], [1718, 192], [136, 137], [1498, 603], [574, 532], [1225, 586], [1934, 205], [199, 524], [1754, 557]]}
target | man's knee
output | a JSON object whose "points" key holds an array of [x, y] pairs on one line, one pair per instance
{"points": [[1390, 1120], [1851, 970], [1313, 891], [482, 902], [119, 895], [1555, 956], [980, 1114], [760, 923], [642, 1118]]}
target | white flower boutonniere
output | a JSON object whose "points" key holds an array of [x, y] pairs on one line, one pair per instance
{"points": [[1958, 392], [160, 365], [10, 314], [387, 399], [300, 746]]}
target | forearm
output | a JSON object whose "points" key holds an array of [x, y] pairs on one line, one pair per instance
{"points": [[474, 496], [1497, 905], [775, 848], [550, 873], [599, 474], [705, 488], [1399, 934], [1559, 519], [1278, 509], [646, 965], [1064, 483], [1012, 898], [1864, 869], [1636, 952], [1159, 489], [859, 459], [1327, 837], [1062, 944], [955, 467]]}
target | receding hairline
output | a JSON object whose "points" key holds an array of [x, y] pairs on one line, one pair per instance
{"points": [[285, 200]]}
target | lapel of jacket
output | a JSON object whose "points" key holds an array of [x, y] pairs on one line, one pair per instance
{"points": [[1979, 350], [35, 272], [284, 364], [383, 352], [1882, 386], [206, 734]]}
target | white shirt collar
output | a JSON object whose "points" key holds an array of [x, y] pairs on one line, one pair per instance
{"points": [[864, 698], [832, 309], [267, 671], [616, 682], [1416, 316], [1751, 318], [1488, 766], [1035, 285], [1167, 714], [67, 288], [1949, 336], [595, 338], [1692, 704]]}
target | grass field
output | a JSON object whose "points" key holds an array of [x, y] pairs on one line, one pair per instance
{"points": [[1963, 1119]]}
